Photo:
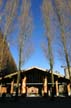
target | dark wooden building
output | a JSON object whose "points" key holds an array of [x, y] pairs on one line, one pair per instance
{"points": [[36, 81]]}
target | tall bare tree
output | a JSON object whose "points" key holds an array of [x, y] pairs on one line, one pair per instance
{"points": [[68, 7], [47, 12], [60, 10], [8, 15], [25, 30]]}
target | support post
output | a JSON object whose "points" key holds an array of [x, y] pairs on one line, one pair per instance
{"points": [[24, 86], [0, 89], [68, 89], [12, 87], [57, 88], [45, 85]]}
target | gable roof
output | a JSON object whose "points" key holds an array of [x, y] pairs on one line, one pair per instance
{"points": [[35, 67], [32, 68]]}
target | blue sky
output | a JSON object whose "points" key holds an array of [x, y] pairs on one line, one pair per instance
{"points": [[37, 58]]}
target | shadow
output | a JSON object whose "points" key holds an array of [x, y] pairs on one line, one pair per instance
{"points": [[21, 101]]}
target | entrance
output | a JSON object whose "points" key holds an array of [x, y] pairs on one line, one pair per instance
{"points": [[34, 89]]}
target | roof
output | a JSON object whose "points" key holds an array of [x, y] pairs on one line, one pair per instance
{"points": [[45, 70], [34, 67], [58, 74]]}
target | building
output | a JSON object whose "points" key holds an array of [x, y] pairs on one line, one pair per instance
{"points": [[35, 81]]}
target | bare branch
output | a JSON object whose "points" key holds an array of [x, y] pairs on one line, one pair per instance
{"points": [[25, 30], [8, 17], [61, 12], [47, 13]]}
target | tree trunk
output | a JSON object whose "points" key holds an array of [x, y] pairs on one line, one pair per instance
{"points": [[19, 71], [51, 66]]}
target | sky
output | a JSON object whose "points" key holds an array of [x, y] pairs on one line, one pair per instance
{"points": [[37, 58]]}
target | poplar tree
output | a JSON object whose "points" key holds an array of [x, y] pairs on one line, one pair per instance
{"points": [[24, 36], [47, 12], [60, 10], [8, 13]]}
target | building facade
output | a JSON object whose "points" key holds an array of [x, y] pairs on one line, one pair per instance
{"points": [[35, 81]]}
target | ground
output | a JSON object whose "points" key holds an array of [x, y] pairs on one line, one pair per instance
{"points": [[34, 102]]}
